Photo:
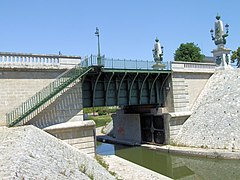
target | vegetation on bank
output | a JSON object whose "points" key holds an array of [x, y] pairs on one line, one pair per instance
{"points": [[101, 161], [100, 115], [102, 120], [100, 110]]}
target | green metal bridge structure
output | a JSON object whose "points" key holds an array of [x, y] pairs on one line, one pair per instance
{"points": [[105, 82]]}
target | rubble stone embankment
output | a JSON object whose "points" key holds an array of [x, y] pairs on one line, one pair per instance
{"points": [[215, 122], [30, 153]]}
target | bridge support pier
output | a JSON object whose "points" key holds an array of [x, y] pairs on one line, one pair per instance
{"points": [[141, 124]]}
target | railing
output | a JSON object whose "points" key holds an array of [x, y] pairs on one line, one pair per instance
{"points": [[192, 66], [120, 63], [21, 60], [25, 109], [35, 60]]}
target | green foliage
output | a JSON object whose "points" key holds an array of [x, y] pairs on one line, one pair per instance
{"points": [[101, 120], [188, 52], [103, 114], [236, 56], [101, 110]]}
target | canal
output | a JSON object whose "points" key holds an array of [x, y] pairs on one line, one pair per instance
{"points": [[174, 166]]}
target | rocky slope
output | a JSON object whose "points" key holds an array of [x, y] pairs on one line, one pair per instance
{"points": [[215, 122], [30, 153]]}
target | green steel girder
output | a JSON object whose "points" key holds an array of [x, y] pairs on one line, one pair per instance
{"points": [[141, 89], [163, 83], [94, 89], [119, 88], [136, 70], [150, 95], [130, 89], [108, 84]]}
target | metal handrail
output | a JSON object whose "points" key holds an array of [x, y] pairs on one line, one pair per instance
{"points": [[120, 63], [25, 109]]}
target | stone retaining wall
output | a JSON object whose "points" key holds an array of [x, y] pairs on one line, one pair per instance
{"points": [[18, 86], [79, 134]]}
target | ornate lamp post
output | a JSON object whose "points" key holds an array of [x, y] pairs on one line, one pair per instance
{"points": [[158, 55], [221, 54], [220, 37], [99, 55]]}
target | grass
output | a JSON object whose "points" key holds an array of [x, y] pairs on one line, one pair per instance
{"points": [[102, 120], [105, 165]]}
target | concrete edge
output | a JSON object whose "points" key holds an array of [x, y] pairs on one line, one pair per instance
{"points": [[122, 168], [70, 125], [200, 152]]}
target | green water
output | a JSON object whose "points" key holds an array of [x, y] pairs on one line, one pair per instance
{"points": [[175, 166]]}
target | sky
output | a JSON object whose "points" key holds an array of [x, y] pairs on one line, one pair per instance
{"points": [[128, 28]]}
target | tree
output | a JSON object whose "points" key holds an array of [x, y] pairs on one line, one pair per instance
{"points": [[188, 52], [236, 56]]}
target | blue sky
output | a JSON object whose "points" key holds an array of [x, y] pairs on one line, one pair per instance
{"points": [[127, 28]]}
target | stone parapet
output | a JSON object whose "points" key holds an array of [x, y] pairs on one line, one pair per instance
{"points": [[37, 61], [180, 66]]}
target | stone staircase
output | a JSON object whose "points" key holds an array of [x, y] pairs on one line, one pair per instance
{"points": [[55, 103]]}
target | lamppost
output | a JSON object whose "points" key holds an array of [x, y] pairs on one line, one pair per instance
{"points": [[158, 55], [99, 55], [220, 37], [221, 54]]}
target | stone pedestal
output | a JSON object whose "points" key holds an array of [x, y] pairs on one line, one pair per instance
{"points": [[222, 57], [158, 65]]}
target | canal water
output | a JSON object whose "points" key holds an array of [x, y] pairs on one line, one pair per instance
{"points": [[175, 166]]}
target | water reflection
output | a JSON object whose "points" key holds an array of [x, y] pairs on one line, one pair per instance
{"points": [[176, 167]]}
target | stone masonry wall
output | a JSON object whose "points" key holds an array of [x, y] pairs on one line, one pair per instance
{"points": [[79, 134], [66, 107], [186, 88], [17, 86]]}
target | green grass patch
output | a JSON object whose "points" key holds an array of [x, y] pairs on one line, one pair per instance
{"points": [[101, 120], [101, 110]]}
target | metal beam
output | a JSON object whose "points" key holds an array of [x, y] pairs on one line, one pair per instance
{"points": [[150, 96], [130, 90], [140, 94], [136, 70], [119, 88], [106, 93], [161, 88], [94, 88]]}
